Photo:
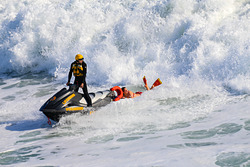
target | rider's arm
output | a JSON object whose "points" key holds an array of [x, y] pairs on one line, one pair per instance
{"points": [[70, 73]]}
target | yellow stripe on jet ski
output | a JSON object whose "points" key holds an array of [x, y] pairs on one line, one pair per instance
{"points": [[74, 108], [68, 98]]}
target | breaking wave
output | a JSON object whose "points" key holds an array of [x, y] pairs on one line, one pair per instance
{"points": [[122, 41]]}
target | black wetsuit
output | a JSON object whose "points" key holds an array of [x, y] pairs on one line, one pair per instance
{"points": [[80, 70]]}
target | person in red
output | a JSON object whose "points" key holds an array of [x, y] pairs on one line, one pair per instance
{"points": [[79, 70], [129, 94]]}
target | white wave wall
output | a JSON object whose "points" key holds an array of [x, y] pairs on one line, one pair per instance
{"points": [[124, 40]]}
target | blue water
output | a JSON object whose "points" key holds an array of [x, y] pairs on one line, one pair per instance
{"points": [[199, 116]]}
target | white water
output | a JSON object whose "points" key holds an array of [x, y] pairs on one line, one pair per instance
{"points": [[199, 116]]}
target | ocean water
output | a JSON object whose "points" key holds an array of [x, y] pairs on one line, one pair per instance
{"points": [[199, 116]]}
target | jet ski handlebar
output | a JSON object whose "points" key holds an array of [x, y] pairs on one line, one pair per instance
{"points": [[72, 87]]}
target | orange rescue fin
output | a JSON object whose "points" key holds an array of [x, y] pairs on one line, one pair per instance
{"points": [[156, 83], [145, 80]]}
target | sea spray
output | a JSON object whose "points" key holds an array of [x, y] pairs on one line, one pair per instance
{"points": [[122, 41]]}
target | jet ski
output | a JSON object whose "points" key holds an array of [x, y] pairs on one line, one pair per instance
{"points": [[68, 101]]}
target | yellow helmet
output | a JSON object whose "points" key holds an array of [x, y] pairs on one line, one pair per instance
{"points": [[79, 57]]}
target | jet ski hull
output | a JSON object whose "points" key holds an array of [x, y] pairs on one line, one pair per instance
{"points": [[67, 102], [55, 115]]}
